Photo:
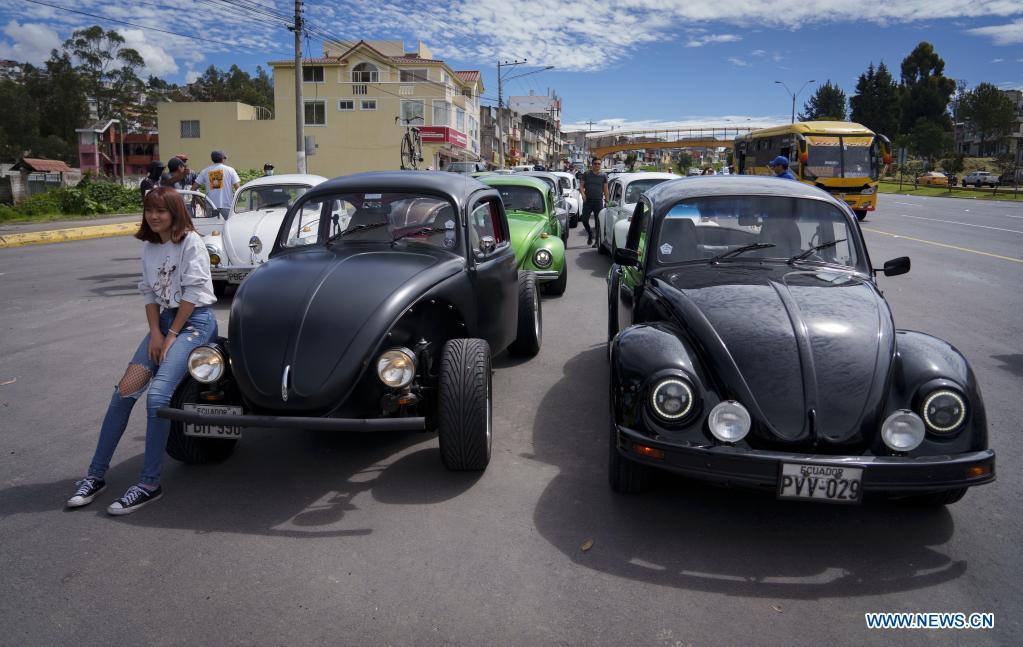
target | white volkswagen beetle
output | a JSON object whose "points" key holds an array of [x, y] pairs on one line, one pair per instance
{"points": [[249, 232], [613, 219], [570, 190]]}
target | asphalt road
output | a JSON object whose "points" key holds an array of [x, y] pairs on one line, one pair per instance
{"points": [[306, 538]]}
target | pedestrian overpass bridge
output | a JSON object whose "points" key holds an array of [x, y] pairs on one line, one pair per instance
{"points": [[602, 144]]}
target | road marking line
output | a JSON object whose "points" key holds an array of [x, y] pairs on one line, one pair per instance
{"points": [[955, 247], [911, 204], [965, 224]]}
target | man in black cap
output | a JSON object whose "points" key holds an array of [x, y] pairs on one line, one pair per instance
{"points": [[177, 175], [220, 181], [152, 180]]}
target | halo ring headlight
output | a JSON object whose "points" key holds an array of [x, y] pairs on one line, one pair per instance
{"points": [[543, 258], [903, 431], [671, 399], [943, 411], [729, 421], [396, 367], [206, 364]]}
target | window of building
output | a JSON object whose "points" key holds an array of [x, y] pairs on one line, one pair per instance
{"points": [[441, 113], [412, 113], [344, 105], [312, 73], [368, 104], [315, 113], [190, 129], [460, 119], [365, 73], [413, 76]]}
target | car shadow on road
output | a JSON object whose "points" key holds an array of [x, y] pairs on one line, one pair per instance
{"points": [[593, 262], [280, 483], [691, 535], [114, 285]]}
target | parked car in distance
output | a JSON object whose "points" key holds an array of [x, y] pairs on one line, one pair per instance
{"points": [[980, 178], [248, 234], [932, 178], [535, 228], [750, 346], [573, 198], [624, 191], [465, 167], [384, 319]]}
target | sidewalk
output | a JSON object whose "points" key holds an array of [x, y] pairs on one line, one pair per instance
{"points": [[59, 231]]}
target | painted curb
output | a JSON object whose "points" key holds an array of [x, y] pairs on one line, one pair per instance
{"points": [[69, 234]]}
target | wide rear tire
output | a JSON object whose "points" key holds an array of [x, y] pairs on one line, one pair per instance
{"points": [[465, 406], [625, 476], [530, 322], [188, 449]]}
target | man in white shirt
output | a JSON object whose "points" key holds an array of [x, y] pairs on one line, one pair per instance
{"points": [[220, 182]]}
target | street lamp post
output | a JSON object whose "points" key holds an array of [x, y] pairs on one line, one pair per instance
{"points": [[794, 95]]}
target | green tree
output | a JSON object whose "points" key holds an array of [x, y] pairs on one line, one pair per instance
{"points": [[19, 121], [929, 140], [876, 102], [233, 85], [954, 164], [1006, 163], [925, 90], [827, 103], [59, 94], [109, 70], [685, 162], [990, 113]]}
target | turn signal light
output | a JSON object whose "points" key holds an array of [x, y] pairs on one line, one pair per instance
{"points": [[649, 452], [978, 470]]}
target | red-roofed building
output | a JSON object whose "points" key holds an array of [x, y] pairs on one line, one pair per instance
{"points": [[100, 145], [32, 175]]}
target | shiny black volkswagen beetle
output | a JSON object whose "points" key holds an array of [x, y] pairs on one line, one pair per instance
{"points": [[750, 346], [378, 309]]}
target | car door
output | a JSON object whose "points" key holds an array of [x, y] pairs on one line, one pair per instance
{"points": [[631, 278], [613, 213], [205, 217], [494, 272]]}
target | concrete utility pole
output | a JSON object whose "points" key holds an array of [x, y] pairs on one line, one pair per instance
{"points": [[299, 103]]}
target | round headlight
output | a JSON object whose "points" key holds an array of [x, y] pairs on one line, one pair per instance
{"points": [[397, 367], [671, 399], [543, 258], [944, 411], [903, 431], [255, 244], [729, 421], [867, 191], [206, 364]]}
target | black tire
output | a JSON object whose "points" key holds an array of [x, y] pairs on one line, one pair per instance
{"points": [[187, 449], [600, 243], [465, 411], [625, 476], [612, 312], [573, 221], [557, 286], [530, 321], [934, 499], [220, 289], [861, 215]]}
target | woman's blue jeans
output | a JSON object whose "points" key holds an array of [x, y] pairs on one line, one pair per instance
{"points": [[162, 379]]}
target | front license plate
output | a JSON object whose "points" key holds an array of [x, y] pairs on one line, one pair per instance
{"points": [[236, 276], [821, 483], [213, 431]]}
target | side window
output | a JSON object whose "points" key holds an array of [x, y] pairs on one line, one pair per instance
{"points": [[616, 194], [484, 221], [305, 225]]}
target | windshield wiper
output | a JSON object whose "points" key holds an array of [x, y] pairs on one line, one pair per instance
{"points": [[740, 250], [351, 230], [421, 230], [804, 255]]}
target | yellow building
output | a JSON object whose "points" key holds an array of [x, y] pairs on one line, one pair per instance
{"points": [[352, 96]]}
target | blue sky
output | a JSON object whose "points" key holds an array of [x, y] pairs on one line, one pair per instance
{"points": [[626, 62]]}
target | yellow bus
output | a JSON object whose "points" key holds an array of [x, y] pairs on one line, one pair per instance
{"points": [[841, 157]]}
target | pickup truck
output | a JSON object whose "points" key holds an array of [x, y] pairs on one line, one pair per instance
{"points": [[980, 178]]}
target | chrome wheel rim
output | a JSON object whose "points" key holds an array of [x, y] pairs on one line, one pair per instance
{"points": [[536, 316]]}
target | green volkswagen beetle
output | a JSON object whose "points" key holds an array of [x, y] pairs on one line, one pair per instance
{"points": [[535, 229]]}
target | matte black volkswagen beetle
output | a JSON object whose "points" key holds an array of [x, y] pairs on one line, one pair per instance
{"points": [[750, 345], [378, 309]]}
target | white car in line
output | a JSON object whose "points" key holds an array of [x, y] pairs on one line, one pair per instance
{"points": [[205, 217], [613, 219], [249, 232], [573, 198]]}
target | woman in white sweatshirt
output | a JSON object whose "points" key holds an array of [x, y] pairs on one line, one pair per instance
{"points": [[177, 292]]}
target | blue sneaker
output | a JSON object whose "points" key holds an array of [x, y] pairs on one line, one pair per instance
{"points": [[135, 498]]}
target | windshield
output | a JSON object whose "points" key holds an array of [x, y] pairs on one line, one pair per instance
{"points": [[462, 167], [831, 156], [701, 229], [522, 198], [637, 188], [374, 217], [268, 196]]}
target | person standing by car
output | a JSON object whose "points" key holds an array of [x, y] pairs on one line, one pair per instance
{"points": [[152, 180], [177, 175], [177, 291], [780, 166], [593, 186], [220, 182]]}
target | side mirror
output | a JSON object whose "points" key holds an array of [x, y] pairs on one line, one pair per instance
{"points": [[896, 266], [489, 244], [627, 257]]}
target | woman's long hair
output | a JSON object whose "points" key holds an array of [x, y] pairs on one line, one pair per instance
{"points": [[168, 198]]}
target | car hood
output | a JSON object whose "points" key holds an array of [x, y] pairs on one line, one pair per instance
{"points": [[524, 228], [322, 312], [809, 351], [239, 228]]}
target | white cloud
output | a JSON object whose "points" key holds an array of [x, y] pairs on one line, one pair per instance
{"points": [[738, 62], [28, 42], [1009, 34], [758, 52], [700, 41], [682, 123], [191, 76], [998, 60], [158, 61]]}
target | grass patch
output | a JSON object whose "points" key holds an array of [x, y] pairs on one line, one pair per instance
{"points": [[1003, 193]]}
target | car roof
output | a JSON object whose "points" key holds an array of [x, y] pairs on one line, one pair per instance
{"points": [[456, 185], [726, 185], [288, 178], [626, 178], [516, 180]]}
